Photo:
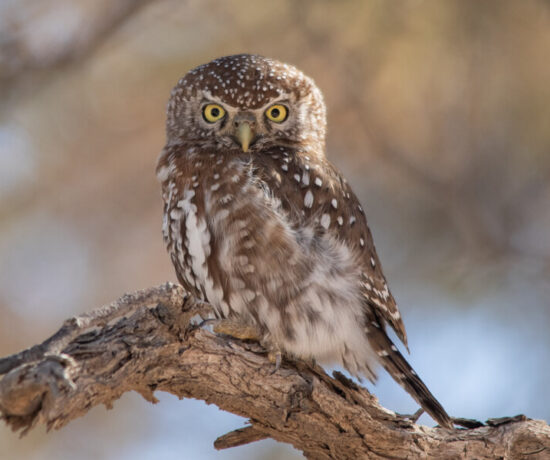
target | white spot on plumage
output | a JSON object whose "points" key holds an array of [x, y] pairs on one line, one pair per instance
{"points": [[187, 196], [284, 167], [247, 295], [163, 173], [318, 182], [226, 198], [352, 220], [325, 221], [379, 304], [176, 213], [372, 262], [340, 221], [308, 199], [305, 178], [215, 187], [277, 178], [395, 314], [362, 242], [238, 283], [334, 203], [297, 177]]}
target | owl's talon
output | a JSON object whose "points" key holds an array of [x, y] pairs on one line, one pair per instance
{"points": [[206, 321], [275, 357]]}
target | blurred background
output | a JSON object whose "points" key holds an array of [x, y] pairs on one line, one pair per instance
{"points": [[439, 115]]}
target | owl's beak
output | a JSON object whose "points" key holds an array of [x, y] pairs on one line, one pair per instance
{"points": [[244, 135]]}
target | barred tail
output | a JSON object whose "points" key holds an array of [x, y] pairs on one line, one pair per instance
{"points": [[402, 372]]}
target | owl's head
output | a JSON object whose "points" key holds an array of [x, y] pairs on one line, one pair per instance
{"points": [[246, 102]]}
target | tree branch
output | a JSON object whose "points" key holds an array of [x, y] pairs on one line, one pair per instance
{"points": [[144, 342]]}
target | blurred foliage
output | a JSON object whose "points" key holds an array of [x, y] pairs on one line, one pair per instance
{"points": [[439, 114]]}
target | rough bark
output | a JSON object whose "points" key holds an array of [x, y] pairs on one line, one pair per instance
{"points": [[145, 342]]}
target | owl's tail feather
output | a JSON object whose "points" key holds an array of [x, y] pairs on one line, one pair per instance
{"points": [[402, 372]]}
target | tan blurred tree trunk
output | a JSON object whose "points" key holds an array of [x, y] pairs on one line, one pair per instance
{"points": [[144, 342]]}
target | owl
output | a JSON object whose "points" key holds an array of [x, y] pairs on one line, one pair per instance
{"points": [[262, 226]]}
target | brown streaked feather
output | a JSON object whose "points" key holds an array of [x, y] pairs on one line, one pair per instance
{"points": [[348, 215]]}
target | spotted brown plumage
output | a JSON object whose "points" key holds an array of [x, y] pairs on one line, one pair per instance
{"points": [[260, 224]]}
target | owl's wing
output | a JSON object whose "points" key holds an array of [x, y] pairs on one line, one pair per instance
{"points": [[356, 233], [318, 195]]}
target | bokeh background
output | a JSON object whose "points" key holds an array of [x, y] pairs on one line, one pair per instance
{"points": [[439, 115]]}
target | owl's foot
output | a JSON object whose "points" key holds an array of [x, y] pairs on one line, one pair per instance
{"points": [[237, 330], [243, 331]]}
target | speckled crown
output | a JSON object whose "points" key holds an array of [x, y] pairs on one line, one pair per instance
{"points": [[247, 81]]}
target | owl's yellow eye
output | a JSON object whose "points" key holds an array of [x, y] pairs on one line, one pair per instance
{"points": [[213, 112], [277, 113]]}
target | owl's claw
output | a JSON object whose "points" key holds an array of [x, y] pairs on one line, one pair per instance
{"points": [[206, 321], [275, 357]]}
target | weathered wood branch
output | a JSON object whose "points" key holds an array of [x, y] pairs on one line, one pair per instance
{"points": [[144, 342]]}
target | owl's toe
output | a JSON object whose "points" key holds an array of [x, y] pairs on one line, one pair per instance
{"points": [[275, 356], [237, 330]]}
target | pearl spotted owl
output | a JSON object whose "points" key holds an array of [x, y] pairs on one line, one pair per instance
{"points": [[261, 225]]}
